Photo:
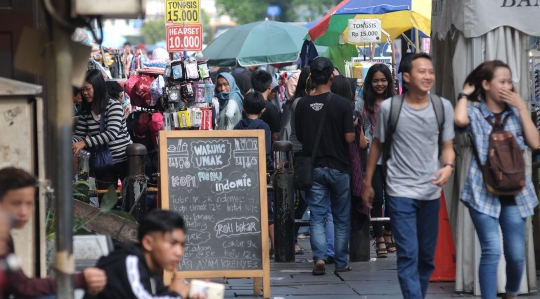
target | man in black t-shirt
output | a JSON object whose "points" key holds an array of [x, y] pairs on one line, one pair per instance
{"points": [[331, 173], [261, 81]]}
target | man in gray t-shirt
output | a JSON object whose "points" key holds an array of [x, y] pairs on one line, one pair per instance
{"points": [[414, 176], [414, 150]]}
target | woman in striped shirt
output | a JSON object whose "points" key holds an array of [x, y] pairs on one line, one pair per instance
{"points": [[96, 104]]}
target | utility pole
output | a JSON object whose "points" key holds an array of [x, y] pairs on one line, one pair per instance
{"points": [[60, 119]]}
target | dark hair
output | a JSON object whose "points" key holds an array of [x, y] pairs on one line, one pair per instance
{"points": [[114, 89], [404, 64], [353, 82], [369, 95], [261, 80], [337, 69], [127, 44], [12, 178], [483, 72], [322, 70], [76, 91], [101, 98], [407, 63], [254, 103], [243, 81], [162, 221], [301, 86], [342, 87]]}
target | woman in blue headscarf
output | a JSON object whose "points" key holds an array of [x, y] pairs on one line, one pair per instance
{"points": [[230, 102]]}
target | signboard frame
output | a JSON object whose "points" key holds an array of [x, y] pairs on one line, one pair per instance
{"points": [[169, 12], [365, 38], [258, 275], [184, 48]]}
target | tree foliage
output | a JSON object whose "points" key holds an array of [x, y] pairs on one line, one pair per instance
{"points": [[248, 11], [153, 31], [207, 30]]}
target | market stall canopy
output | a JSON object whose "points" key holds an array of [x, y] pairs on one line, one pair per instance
{"points": [[477, 17], [265, 42], [397, 16]]}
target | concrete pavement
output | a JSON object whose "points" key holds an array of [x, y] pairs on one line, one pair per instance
{"points": [[368, 280]]}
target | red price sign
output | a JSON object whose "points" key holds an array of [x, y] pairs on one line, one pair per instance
{"points": [[184, 37]]}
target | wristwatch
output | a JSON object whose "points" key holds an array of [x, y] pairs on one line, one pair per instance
{"points": [[462, 95]]}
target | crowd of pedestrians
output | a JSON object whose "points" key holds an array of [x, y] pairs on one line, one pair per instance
{"points": [[408, 139]]}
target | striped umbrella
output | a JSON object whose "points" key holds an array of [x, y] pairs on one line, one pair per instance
{"points": [[397, 16]]}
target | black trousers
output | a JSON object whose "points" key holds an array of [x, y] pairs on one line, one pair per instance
{"points": [[110, 176], [378, 186]]}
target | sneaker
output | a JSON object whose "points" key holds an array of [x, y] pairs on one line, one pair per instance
{"points": [[271, 254]]}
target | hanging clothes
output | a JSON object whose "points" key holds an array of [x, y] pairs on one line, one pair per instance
{"points": [[339, 54], [308, 53]]}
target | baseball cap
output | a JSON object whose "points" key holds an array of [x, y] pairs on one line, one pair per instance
{"points": [[321, 66]]}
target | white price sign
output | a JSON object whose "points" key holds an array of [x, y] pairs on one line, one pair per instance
{"points": [[364, 31]]}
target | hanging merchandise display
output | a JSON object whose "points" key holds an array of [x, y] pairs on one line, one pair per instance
{"points": [[170, 95]]}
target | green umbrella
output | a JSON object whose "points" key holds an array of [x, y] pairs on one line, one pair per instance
{"points": [[264, 42]]}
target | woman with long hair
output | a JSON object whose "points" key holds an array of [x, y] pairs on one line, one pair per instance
{"points": [[378, 86], [500, 105], [96, 103], [230, 102]]}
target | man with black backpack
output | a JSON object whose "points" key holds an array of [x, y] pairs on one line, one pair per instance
{"points": [[412, 131]]}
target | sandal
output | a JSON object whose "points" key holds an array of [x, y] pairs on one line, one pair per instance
{"points": [[318, 270], [381, 252], [390, 246], [346, 269]]}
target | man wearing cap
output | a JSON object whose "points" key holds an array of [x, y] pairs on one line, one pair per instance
{"points": [[331, 170]]}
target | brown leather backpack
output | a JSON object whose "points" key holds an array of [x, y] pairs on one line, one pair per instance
{"points": [[504, 171]]}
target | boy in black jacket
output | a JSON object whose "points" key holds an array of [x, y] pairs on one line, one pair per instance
{"points": [[134, 271], [254, 107]]}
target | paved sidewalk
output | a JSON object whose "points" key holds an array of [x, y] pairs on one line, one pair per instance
{"points": [[368, 280]]}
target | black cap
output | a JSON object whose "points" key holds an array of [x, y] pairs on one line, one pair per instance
{"points": [[321, 67]]}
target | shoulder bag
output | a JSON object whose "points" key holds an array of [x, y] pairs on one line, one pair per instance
{"points": [[303, 166], [101, 157]]}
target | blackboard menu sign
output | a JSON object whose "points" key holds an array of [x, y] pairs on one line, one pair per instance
{"points": [[217, 181]]}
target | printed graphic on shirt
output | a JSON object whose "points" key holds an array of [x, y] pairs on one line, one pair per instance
{"points": [[316, 106]]}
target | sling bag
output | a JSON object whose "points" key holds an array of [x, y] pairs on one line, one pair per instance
{"points": [[303, 166]]}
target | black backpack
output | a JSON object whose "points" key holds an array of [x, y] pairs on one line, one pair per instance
{"points": [[395, 110]]}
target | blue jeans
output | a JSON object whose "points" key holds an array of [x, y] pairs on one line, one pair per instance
{"points": [[331, 188], [329, 230], [415, 224], [513, 230]]}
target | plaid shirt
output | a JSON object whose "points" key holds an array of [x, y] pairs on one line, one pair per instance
{"points": [[475, 193]]}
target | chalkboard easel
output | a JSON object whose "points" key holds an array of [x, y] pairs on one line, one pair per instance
{"points": [[217, 181]]}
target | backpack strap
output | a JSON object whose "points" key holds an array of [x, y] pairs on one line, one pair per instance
{"points": [[439, 114], [498, 126], [395, 109]]}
